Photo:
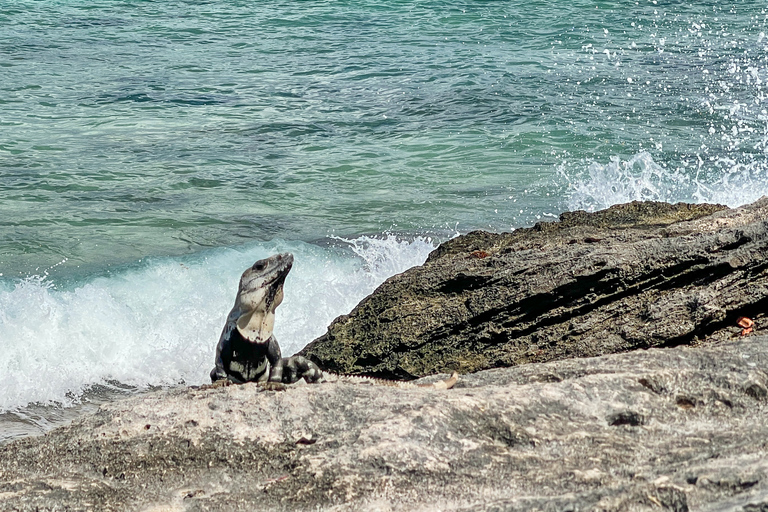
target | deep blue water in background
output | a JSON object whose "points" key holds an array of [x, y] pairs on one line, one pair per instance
{"points": [[151, 150]]}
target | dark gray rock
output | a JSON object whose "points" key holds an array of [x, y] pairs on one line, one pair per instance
{"points": [[633, 276], [682, 428]]}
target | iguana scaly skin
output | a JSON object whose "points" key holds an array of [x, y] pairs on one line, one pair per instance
{"points": [[248, 351]]}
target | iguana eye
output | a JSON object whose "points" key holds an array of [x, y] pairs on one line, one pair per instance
{"points": [[258, 266]]}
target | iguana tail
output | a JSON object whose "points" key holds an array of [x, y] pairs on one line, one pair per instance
{"points": [[294, 368], [359, 379]]}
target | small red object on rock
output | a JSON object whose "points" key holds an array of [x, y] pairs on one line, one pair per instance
{"points": [[746, 324], [479, 254]]}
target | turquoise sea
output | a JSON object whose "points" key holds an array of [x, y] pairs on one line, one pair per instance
{"points": [[151, 150]]}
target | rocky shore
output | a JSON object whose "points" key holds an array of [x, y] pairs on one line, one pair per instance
{"points": [[634, 276], [602, 370]]}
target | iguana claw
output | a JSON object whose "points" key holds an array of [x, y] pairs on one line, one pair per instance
{"points": [[272, 386]]}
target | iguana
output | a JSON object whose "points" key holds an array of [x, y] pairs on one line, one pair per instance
{"points": [[248, 351]]}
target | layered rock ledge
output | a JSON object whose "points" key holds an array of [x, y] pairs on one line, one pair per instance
{"points": [[634, 276]]}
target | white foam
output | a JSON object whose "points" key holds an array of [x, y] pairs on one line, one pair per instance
{"points": [[158, 324], [640, 178]]}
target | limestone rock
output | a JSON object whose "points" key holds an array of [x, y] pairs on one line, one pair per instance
{"points": [[680, 428]]}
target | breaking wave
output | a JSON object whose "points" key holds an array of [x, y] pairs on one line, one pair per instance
{"points": [[594, 186], [158, 322]]}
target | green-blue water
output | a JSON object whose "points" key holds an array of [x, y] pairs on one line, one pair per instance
{"points": [[142, 138], [136, 128]]}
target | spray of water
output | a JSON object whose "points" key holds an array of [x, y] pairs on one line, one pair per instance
{"points": [[158, 324], [640, 178]]}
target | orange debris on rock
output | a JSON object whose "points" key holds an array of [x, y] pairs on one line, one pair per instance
{"points": [[746, 324], [478, 254]]}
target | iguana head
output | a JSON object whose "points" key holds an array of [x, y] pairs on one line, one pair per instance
{"points": [[260, 292]]}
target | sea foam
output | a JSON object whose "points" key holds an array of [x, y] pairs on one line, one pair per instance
{"points": [[597, 185], [158, 323]]}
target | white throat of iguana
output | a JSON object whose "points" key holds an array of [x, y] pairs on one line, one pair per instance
{"points": [[256, 326]]}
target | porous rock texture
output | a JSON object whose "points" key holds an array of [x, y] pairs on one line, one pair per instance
{"points": [[633, 276], [683, 428]]}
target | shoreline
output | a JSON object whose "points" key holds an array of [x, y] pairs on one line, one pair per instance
{"points": [[35, 420]]}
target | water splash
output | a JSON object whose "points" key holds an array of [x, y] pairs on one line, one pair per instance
{"points": [[158, 324], [389, 255], [640, 178]]}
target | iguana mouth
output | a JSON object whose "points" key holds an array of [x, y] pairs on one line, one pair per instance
{"points": [[262, 276]]}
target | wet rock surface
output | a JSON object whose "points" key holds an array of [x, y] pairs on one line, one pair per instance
{"points": [[683, 428], [633, 276]]}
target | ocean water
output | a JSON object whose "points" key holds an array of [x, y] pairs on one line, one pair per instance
{"points": [[151, 150]]}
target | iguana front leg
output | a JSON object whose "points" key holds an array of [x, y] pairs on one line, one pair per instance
{"points": [[275, 359], [273, 379]]}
